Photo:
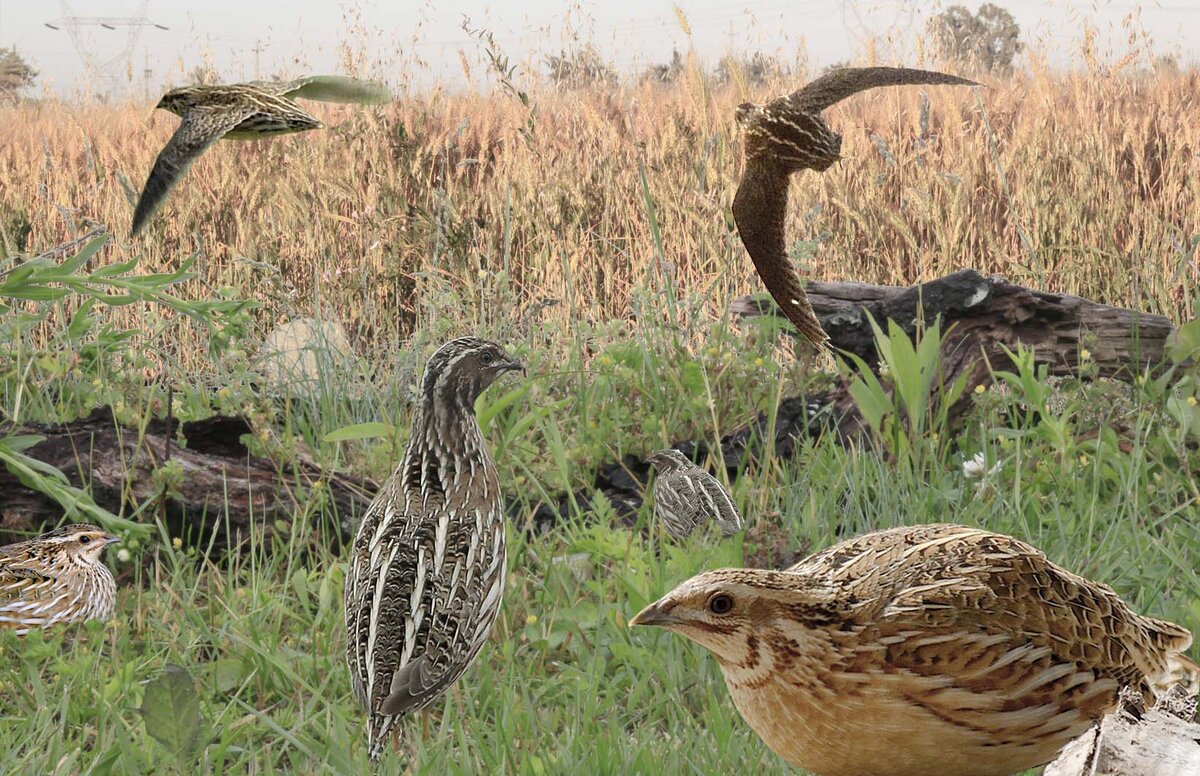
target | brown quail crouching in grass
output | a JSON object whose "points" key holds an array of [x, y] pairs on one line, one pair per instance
{"points": [[55, 578], [935, 649], [686, 496]]}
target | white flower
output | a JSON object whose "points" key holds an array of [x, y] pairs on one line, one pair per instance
{"points": [[976, 468]]}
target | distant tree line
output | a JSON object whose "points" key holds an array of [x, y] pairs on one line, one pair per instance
{"points": [[584, 67], [16, 75], [985, 41]]}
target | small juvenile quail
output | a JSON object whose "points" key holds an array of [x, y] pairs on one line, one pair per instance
{"points": [[935, 649], [55, 578], [238, 112], [785, 136], [426, 572], [686, 496]]}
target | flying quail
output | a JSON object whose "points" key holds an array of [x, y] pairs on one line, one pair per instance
{"points": [[785, 136], [239, 112]]}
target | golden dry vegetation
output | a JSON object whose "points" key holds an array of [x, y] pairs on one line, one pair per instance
{"points": [[1081, 182]]}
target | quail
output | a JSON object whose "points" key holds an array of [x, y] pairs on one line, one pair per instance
{"points": [[239, 112], [785, 136], [686, 496], [927, 649], [426, 570], [57, 577]]}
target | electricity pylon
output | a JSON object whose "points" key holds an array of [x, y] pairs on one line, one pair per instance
{"points": [[114, 67]]}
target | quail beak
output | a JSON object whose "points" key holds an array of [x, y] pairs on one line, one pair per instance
{"points": [[511, 366], [652, 615], [111, 539]]}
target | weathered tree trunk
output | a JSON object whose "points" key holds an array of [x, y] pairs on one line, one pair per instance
{"points": [[1131, 741], [223, 484], [222, 493], [980, 317]]}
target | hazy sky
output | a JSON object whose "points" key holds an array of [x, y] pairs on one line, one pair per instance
{"points": [[426, 40]]}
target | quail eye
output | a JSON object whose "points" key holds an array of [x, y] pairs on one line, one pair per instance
{"points": [[721, 603], [84, 539], [487, 358]]}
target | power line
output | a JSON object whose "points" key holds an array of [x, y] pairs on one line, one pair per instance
{"points": [[113, 67]]}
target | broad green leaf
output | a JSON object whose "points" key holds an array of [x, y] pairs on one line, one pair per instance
{"points": [[370, 430], [227, 673], [870, 396], [484, 412], [112, 270], [71, 265], [171, 712], [20, 442], [44, 478], [81, 321], [1184, 342], [33, 293]]}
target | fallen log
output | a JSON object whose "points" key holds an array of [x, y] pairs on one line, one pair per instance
{"points": [[980, 317], [223, 485], [988, 312], [219, 492]]}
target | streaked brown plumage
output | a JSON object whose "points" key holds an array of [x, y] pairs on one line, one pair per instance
{"points": [[238, 112], [921, 650], [426, 573], [55, 578], [785, 136], [686, 496]]}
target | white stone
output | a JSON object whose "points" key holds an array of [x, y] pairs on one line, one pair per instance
{"points": [[302, 353]]}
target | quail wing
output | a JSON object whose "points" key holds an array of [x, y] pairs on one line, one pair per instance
{"points": [[677, 504], [414, 608], [20, 582], [998, 601], [328, 88], [411, 685], [201, 127], [787, 135], [760, 212], [719, 504], [837, 85]]}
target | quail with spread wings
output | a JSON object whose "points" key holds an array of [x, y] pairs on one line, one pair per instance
{"points": [[785, 136], [239, 112]]}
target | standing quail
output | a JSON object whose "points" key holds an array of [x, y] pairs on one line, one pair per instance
{"points": [[426, 572]]}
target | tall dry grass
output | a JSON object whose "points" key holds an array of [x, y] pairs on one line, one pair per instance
{"points": [[1079, 182]]}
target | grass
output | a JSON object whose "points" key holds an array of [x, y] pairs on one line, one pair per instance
{"points": [[564, 684], [594, 238]]}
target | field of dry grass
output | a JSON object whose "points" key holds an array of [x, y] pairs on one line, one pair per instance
{"points": [[1081, 182]]}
